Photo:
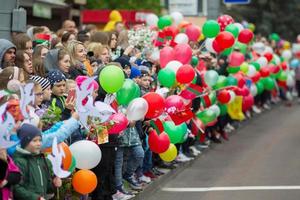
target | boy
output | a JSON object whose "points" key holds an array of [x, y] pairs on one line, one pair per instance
{"points": [[37, 181]]}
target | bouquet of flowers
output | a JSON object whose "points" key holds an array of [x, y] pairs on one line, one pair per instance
{"points": [[141, 37], [98, 131], [51, 116]]}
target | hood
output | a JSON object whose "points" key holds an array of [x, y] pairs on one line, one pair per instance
{"points": [[51, 60], [4, 46], [20, 152]]}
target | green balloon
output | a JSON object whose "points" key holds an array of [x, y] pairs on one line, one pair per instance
{"points": [[73, 165], [211, 28], [223, 109], [282, 76], [244, 67], [231, 81], [232, 29], [222, 82], [176, 133], [242, 47], [227, 51], [194, 61], [269, 83], [129, 91], [256, 65], [164, 21], [233, 70], [260, 87], [166, 77], [111, 78], [275, 37], [206, 116]]}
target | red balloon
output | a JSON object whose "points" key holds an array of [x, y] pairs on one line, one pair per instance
{"points": [[240, 79], [170, 32], [248, 102], [274, 69], [264, 72], [185, 74], [193, 32], [174, 103], [245, 36], [223, 96], [183, 53], [165, 56], [216, 46], [284, 66], [238, 91], [120, 123], [158, 143], [256, 77], [236, 59], [224, 20], [282, 84], [245, 91], [225, 39], [268, 56], [156, 104]]}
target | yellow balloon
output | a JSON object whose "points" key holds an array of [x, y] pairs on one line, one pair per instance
{"points": [[286, 45], [170, 154], [244, 67], [201, 37], [251, 27]]}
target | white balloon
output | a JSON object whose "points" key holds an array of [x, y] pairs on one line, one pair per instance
{"points": [[174, 65], [232, 96], [151, 20], [251, 71], [268, 50], [208, 45], [253, 90], [177, 17], [240, 26], [286, 54], [215, 109], [262, 61], [155, 55], [86, 153], [137, 109], [259, 47], [290, 82], [181, 38]]}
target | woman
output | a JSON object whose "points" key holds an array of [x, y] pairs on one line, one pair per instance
{"points": [[24, 61], [101, 52], [58, 59], [24, 43], [40, 51], [78, 55], [113, 38], [66, 38], [38, 67]]}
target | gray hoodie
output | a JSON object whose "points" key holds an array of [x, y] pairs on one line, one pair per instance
{"points": [[4, 46], [51, 60]]}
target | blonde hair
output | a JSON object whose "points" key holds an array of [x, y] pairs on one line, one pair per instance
{"points": [[123, 39], [71, 48], [96, 48]]}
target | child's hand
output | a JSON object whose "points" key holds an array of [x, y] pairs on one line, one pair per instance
{"points": [[57, 182]]}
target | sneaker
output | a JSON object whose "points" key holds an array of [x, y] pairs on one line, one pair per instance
{"points": [[123, 190], [256, 109], [144, 179], [121, 196], [194, 150], [248, 114], [203, 145], [150, 174], [266, 106], [133, 183], [157, 172], [183, 158], [230, 127]]}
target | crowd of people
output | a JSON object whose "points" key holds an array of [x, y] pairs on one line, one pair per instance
{"points": [[58, 64]]}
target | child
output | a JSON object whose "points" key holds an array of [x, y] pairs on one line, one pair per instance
{"points": [[9, 175], [37, 182]]}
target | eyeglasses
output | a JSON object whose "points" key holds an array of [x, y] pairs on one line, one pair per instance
{"points": [[39, 94]]}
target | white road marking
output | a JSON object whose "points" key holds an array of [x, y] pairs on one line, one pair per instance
{"points": [[238, 188]]}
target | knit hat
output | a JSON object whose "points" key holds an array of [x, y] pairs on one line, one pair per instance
{"points": [[55, 76], [44, 82], [123, 61], [26, 133]]}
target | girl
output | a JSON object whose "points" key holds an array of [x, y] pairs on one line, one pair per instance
{"points": [[24, 61], [58, 59]]}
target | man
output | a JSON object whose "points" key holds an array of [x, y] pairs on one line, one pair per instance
{"points": [[70, 26], [119, 26], [7, 53]]}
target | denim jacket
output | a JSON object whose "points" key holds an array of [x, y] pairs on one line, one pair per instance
{"points": [[130, 137]]}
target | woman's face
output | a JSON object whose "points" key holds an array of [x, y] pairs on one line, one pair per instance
{"points": [[39, 95], [47, 94], [44, 51], [27, 64], [80, 53], [113, 41], [71, 38], [64, 64], [104, 56], [29, 48]]}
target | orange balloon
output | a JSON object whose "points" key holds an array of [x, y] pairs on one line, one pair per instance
{"points": [[84, 181], [184, 24], [67, 160]]}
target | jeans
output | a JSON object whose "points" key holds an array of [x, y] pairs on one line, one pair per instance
{"points": [[147, 163], [135, 156]]}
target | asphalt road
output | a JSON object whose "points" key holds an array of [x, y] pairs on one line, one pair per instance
{"points": [[265, 152]]}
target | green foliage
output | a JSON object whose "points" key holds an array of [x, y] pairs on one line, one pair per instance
{"points": [[151, 5]]}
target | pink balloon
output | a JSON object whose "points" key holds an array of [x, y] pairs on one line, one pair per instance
{"points": [[174, 103], [166, 55], [183, 53], [120, 123], [236, 59], [193, 32]]}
